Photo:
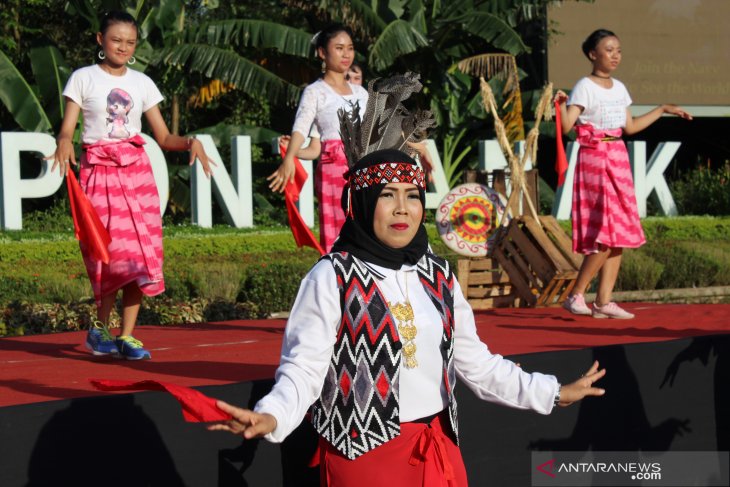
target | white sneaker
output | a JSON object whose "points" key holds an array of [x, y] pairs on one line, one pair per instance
{"points": [[576, 304], [611, 310]]}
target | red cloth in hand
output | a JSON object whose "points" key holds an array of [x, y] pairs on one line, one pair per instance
{"points": [[196, 406], [302, 234], [561, 162], [88, 228]]}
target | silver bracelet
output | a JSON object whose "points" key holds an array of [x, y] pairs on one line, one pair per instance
{"points": [[556, 401]]}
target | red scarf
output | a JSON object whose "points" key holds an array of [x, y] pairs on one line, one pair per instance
{"points": [[302, 234]]}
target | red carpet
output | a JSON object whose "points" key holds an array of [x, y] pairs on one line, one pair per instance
{"points": [[51, 367]]}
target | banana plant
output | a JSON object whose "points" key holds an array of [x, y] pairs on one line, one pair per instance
{"points": [[214, 50], [35, 106]]}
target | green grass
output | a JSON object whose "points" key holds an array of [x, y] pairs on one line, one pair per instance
{"points": [[224, 273]]}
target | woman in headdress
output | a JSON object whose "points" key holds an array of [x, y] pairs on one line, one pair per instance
{"points": [[318, 109], [377, 336]]}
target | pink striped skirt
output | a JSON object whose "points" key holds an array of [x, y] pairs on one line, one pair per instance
{"points": [[117, 178], [605, 214], [328, 184]]}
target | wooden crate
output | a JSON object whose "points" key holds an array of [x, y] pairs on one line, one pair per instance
{"points": [[484, 284], [540, 262]]}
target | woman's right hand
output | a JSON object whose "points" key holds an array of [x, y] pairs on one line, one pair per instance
{"points": [[284, 140], [63, 156], [244, 422], [560, 97], [283, 175]]}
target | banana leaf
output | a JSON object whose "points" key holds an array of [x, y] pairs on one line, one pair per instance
{"points": [[20, 99]]}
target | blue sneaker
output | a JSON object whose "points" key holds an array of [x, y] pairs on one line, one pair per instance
{"points": [[131, 348], [100, 341]]}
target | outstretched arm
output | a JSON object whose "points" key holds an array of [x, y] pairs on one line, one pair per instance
{"points": [[583, 387], [244, 422], [308, 153], [285, 172], [637, 124], [64, 154], [172, 142]]}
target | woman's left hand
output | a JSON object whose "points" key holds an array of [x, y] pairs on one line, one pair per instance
{"points": [[675, 110], [583, 387], [197, 152]]}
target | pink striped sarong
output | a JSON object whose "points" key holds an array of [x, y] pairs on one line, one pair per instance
{"points": [[605, 214], [117, 178], [328, 184]]}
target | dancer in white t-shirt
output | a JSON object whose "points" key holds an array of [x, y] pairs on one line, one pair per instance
{"points": [[116, 176], [605, 215]]}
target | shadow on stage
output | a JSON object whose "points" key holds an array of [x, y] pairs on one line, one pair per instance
{"points": [[663, 396]]}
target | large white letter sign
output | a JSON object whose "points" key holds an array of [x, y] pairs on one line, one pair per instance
{"points": [[237, 202], [12, 188], [654, 181]]}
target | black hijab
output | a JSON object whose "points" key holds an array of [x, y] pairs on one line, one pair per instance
{"points": [[357, 235]]}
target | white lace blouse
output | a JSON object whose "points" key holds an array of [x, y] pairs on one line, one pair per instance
{"points": [[318, 106]]}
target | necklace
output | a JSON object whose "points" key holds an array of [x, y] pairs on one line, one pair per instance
{"points": [[403, 312], [352, 104], [108, 70], [601, 77]]}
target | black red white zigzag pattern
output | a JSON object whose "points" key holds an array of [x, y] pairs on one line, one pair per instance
{"points": [[438, 282], [358, 409]]}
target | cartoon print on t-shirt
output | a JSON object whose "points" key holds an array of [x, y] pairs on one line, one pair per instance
{"points": [[118, 104]]}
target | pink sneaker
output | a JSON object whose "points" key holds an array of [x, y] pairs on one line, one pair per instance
{"points": [[576, 304], [611, 310]]}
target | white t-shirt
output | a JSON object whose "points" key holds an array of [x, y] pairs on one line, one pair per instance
{"points": [[112, 106], [311, 333], [604, 108], [319, 105]]}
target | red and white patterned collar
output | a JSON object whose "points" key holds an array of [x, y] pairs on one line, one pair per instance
{"points": [[387, 172]]}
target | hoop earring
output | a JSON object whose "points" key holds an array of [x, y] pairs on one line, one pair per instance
{"points": [[101, 55], [324, 67], [131, 61]]}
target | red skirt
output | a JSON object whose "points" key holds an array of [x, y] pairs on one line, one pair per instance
{"points": [[423, 455]]}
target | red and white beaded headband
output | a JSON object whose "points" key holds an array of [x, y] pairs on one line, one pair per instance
{"points": [[387, 172]]}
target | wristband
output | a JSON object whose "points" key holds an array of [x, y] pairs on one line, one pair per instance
{"points": [[556, 401]]}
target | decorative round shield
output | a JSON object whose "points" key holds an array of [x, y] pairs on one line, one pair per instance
{"points": [[467, 218]]}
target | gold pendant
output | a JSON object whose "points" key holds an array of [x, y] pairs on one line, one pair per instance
{"points": [[403, 312]]}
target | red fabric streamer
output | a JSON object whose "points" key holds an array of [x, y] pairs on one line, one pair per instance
{"points": [[88, 228], [302, 234], [561, 162], [196, 406]]}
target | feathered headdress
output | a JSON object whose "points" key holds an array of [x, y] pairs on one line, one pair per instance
{"points": [[387, 124], [387, 128]]}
